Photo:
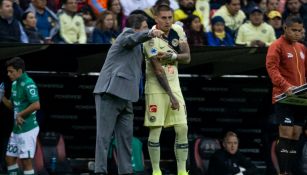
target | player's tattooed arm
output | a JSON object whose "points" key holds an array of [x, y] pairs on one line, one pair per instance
{"points": [[184, 57], [160, 74], [162, 79]]}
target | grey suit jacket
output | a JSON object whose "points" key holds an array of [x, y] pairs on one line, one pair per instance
{"points": [[121, 72]]}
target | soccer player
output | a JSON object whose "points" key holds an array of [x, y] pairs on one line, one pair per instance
{"points": [[285, 63], [165, 106], [24, 102]]}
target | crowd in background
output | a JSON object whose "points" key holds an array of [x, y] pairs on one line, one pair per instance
{"points": [[206, 22]]}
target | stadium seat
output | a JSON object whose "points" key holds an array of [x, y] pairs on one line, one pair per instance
{"points": [[203, 150]]}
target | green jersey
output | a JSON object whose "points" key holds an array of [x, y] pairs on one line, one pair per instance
{"points": [[165, 44], [24, 93]]}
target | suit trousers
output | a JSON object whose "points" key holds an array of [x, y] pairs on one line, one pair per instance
{"points": [[113, 114]]}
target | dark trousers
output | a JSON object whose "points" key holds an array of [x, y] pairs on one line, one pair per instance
{"points": [[113, 114]]}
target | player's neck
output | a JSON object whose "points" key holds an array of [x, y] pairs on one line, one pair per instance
{"points": [[165, 32], [289, 40]]}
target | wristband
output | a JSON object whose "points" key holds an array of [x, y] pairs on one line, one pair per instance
{"points": [[174, 57]]}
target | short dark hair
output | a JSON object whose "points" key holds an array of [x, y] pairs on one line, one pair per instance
{"points": [[159, 2], [64, 2], [25, 15], [228, 1], [162, 7], [16, 63], [135, 21], [293, 19]]}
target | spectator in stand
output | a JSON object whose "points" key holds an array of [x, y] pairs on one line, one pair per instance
{"points": [[255, 33], [272, 5], [72, 29], [18, 11], [186, 8], [47, 21], [89, 19], [98, 6], [174, 4], [120, 19], [81, 4], [262, 4], [247, 5], [104, 31], [204, 7], [218, 35], [10, 28], [29, 23], [276, 22], [282, 5], [195, 30], [132, 5], [232, 14], [54, 5], [296, 8], [216, 4], [230, 161]]}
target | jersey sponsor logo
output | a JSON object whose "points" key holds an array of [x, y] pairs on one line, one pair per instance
{"points": [[290, 55], [264, 31], [153, 108], [153, 51], [152, 118], [21, 152], [302, 55], [175, 42], [32, 92]]}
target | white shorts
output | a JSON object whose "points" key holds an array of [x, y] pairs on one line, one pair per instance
{"points": [[22, 145]]}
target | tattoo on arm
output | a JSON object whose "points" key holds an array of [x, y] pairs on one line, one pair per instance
{"points": [[184, 57], [161, 76]]}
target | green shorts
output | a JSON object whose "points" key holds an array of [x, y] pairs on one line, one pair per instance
{"points": [[159, 112]]}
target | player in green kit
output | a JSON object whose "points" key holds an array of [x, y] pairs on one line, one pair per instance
{"points": [[24, 102], [165, 106]]}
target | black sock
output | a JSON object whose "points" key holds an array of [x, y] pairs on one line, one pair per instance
{"points": [[282, 154], [293, 154]]}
